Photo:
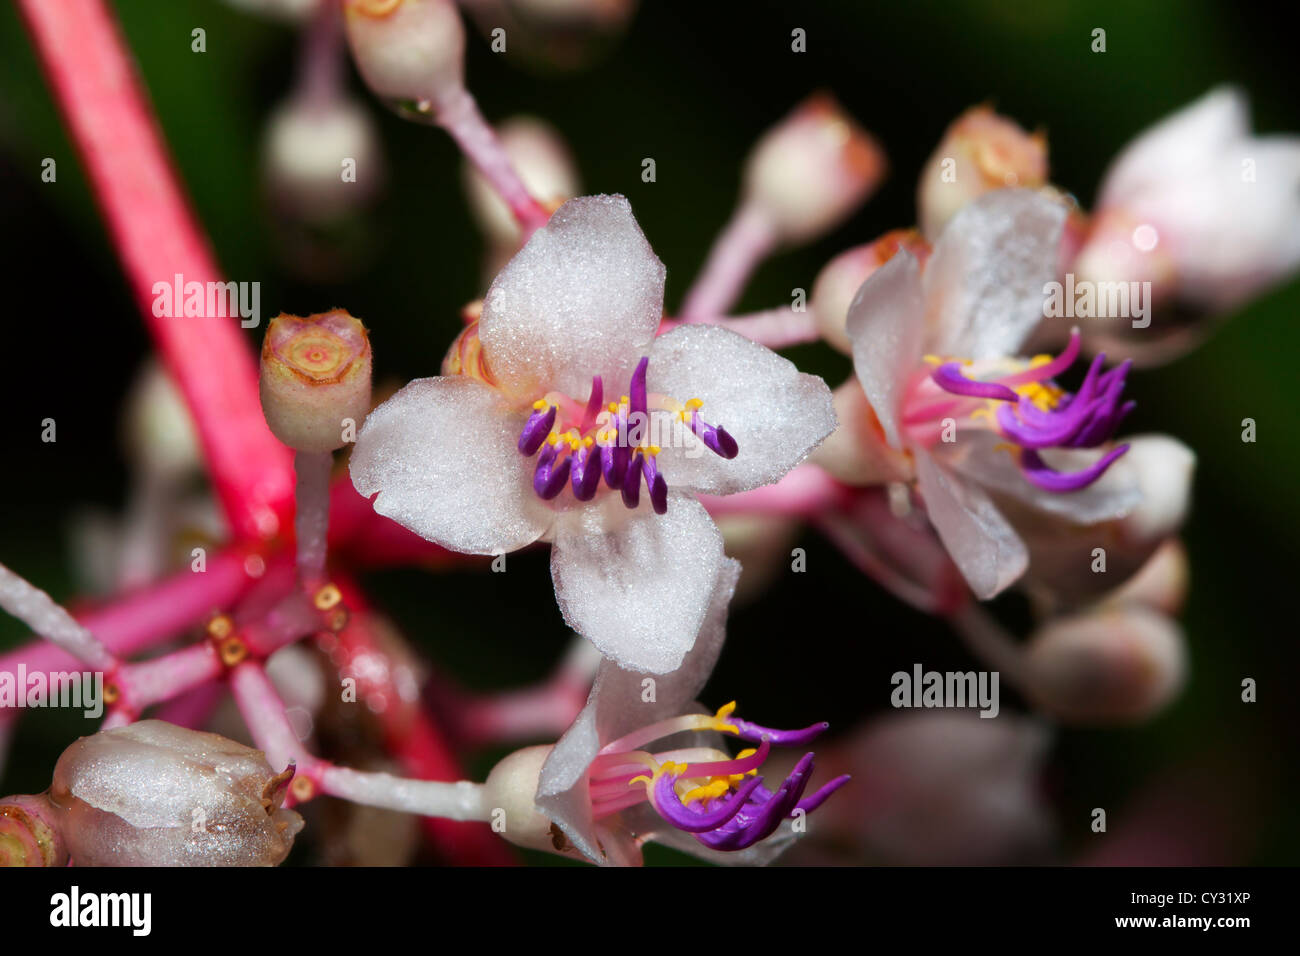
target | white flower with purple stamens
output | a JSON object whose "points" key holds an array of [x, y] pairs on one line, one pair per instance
{"points": [[528, 440], [935, 355], [608, 790]]}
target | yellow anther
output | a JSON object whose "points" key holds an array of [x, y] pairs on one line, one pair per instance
{"points": [[612, 408], [982, 413], [1038, 360], [588, 441], [931, 360], [726, 710], [641, 779], [652, 450], [541, 405], [552, 439], [1007, 447], [623, 400], [693, 403]]}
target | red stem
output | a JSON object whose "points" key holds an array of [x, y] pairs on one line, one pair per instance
{"points": [[152, 228]]}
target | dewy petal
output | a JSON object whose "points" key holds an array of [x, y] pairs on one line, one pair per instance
{"points": [[1177, 146], [617, 706], [775, 413], [984, 283], [634, 583], [582, 298], [980, 540], [886, 326], [982, 457], [442, 456]]}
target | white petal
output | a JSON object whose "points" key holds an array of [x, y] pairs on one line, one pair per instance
{"points": [[776, 413], [984, 284], [1113, 495], [984, 546], [442, 455], [886, 326], [1176, 146], [616, 707], [637, 584], [582, 298]]}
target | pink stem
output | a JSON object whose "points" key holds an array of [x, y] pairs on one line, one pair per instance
{"points": [[157, 238], [166, 677], [320, 64], [459, 115], [311, 522], [775, 328], [195, 708], [803, 493], [745, 241], [263, 711]]}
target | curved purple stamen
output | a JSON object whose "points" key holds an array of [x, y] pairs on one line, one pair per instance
{"points": [[795, 738], [949, 378], [762, 813], [1038, 472], [818, 798], [638, 400], [550, 475], [536, 429], [716, 438], [655, 484], [632, 481], [585, 473], [699, 819]]}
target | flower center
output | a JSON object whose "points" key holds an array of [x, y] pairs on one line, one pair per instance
{"points": [[619, 442], [1020, 402]]}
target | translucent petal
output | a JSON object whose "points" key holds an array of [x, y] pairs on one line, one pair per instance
{"points": [[886, 328], [637, 584], [582, 298], [776, 413], [984, 283], [981, 542], [441, 454]]}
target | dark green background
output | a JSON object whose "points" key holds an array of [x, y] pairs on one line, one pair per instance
{"points": [[692, 85]]}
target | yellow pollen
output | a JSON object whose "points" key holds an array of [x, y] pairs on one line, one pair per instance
{"points": [[694, 403], [588, 442], [652, 450], [623, 399], [552, 439], [541, 404], [612, 407], [1007, 447], [982, 413]]}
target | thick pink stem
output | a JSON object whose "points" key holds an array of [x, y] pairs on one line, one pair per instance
{"points": [[157, 238], [747, 239]]}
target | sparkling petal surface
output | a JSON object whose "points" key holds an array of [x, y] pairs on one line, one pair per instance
{"points": [[775, 413], [442, 455], [582, 298]]}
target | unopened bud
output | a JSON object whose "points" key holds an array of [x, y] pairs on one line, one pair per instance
{"points": [[315, 375], [153, 794], [840, 279], [510, 792], [410, 52], [812, 170], [160, 436], [981, 151], [545, 166], [321, 159], [1161, 583], [1118, 665]]}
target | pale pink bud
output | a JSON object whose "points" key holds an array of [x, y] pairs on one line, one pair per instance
{"points": [[153, 794], [1161, 583], [981, 151], [812, 170], [510, 791], [1116, 665], [315, 379], [840, 279], [321, 159], [410, 52]]}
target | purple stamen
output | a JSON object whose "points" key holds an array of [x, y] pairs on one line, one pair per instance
{"points": [[613, 464], [762, 814], [638, 400], [585, 473], [949, 378], [1039, 473], [795, 738], [715, 438], [536, 429], [550, 474], [818, 798], [655, 484], [632, 482], [699, 819]]}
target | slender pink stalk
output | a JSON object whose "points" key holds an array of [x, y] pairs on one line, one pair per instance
{"points": [[158, 240], [312, 518], [321, 59], [264, 714], [745, 241], [803, 493], [775, 328], [195, 708], [459, 115], [38, 611], [166, 677]]}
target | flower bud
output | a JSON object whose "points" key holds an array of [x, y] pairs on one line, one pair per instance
{"points": [[153, 794], [1118, 665], [315, 377], [410, 52], [305, 147], [1160, 584], [840, 279], [160, 436], [812, 170], [545, 165], [981, 151], [511, 789]]}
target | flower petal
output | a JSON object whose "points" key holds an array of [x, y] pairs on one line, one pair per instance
{"points": [[984, 284], [617, 706], [582, 298], [637, 584], [982, 543], [776, 414], [887, 328], [442, 456]]}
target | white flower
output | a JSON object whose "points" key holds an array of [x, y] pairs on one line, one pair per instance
{"points": [[479, 461]]}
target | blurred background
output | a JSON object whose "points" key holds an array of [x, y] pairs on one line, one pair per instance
{"points": [[692, 86]]}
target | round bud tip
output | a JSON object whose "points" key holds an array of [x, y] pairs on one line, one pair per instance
{"points": [[839, 281], [411, 53], [315, 379], [1112, 666], [510, 793]]}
